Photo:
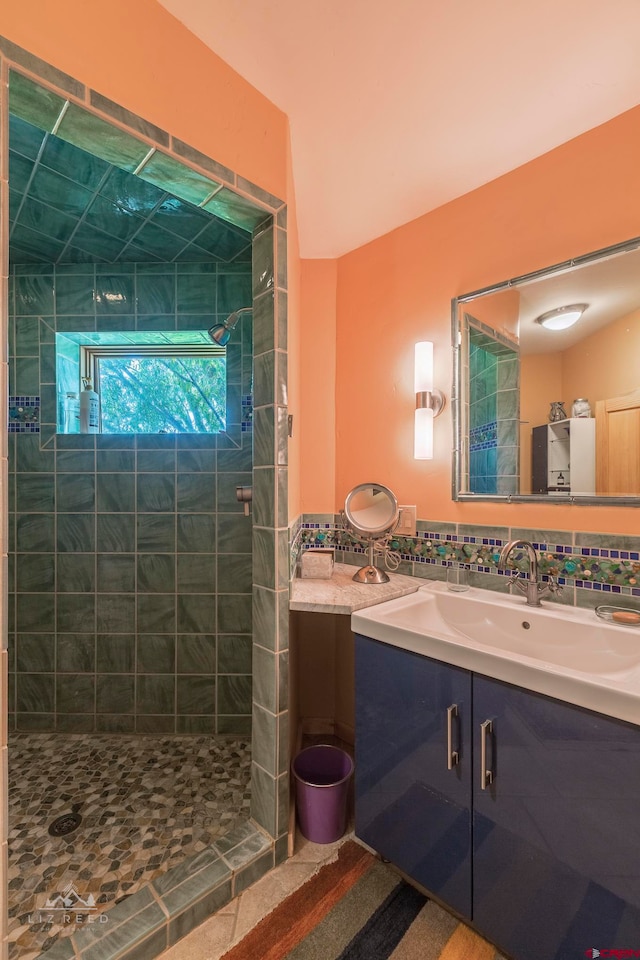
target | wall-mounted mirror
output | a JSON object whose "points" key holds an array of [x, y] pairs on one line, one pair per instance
{"points": [[371, 512], [551, 412]]}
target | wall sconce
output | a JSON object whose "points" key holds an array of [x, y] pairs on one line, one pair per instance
{"points": [[429, 402]]}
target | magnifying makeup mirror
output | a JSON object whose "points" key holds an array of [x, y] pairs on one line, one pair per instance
{"points": [[371, 512]]}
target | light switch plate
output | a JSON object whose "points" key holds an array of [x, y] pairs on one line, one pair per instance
{"points": [[407, 525]]}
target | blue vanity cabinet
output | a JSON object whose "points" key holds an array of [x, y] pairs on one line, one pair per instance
{"points": [[534, 835], [556, 836], [413, 800]]}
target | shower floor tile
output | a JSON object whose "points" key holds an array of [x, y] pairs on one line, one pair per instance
{"points": [[146, 803]]}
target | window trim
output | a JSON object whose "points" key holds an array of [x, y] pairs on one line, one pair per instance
{"points": [[90, 354]]}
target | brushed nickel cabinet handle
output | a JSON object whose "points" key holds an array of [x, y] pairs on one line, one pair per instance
{"points": [[486, 774], [453, 756]]}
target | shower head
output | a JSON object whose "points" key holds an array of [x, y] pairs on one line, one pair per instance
{"points": [[221, 332]]}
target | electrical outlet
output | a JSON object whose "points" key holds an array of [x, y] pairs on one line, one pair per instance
{"points": [[407, 524]]}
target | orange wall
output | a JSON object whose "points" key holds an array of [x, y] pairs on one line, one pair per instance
{"points": [[318, 367], [140, 56], [398, 289], [606, 364]]}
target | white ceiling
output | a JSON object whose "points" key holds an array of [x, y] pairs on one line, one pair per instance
{"points": [[398, 106]]}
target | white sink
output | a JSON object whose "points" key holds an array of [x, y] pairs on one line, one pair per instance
{"points": [[564, 652]]}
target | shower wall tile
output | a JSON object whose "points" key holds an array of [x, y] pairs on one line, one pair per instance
{"points": [[264, 741], [196, 613], [265, 616], [234, 695], [234, 613], [133, 552], [76, 573], [235, 653], [116, 492], [76, 653], [35, 653], [115, 653], [156, 573], [265, 677], [197, 655], [156, 533], [35, 571], [156, 653], [156, 613], [195, 533], [115, 613], [264, 319], [197, 695], [196, 573], [115, 694], [76, 532], [115, 532], [264, 557], [234, 573], [155, 694], [35, 532]]}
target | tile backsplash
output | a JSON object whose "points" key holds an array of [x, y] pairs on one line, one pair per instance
{"points": [[587, 565]]}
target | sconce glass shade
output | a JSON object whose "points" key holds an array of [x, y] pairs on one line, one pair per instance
{"points": [[423, 367], [423, 434], [425, 401]]}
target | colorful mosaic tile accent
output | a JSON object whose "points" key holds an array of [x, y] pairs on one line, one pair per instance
{"points": [[595, 568], [24, 414], [246, 417], [484, 437]]}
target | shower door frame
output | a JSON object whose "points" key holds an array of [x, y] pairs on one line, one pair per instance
{"points": [[270, 535]]}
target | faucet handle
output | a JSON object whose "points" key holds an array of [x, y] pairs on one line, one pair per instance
{"points": [[554, 586]]}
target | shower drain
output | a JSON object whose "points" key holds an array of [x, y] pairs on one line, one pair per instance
{"points": [[67, 823]]}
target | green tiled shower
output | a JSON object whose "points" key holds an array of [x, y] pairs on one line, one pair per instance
{"points": [[131, 560], [142, 599]]}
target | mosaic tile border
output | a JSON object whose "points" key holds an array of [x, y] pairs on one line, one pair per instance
{"points": [[604, 569], [246, 414], [24, 415], [484, 437]]}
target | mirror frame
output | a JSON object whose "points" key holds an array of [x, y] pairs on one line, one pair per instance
{"points": [[371, 533], [457, 383]]}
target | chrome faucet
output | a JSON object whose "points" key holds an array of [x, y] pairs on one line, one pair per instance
{"points": [[533, 589]]}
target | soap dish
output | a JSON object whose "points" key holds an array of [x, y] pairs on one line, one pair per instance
{"points": [[625, 616]]}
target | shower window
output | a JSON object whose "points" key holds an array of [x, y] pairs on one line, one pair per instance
{"points": [[151, 387]]}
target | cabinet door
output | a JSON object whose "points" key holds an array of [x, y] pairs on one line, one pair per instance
{"points": [[412, 806], [556, 836]]}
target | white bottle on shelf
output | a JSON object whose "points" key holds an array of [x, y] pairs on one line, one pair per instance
{"points": [[71, 413], [89, 417]]}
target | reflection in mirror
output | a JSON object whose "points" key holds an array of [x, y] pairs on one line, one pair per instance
{"points": [[544, 412], [371, 512]]}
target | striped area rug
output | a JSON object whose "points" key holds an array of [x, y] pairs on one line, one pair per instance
{"points": [[357, 908]]}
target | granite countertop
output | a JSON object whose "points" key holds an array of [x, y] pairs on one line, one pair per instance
{"points": [[341, 594]]}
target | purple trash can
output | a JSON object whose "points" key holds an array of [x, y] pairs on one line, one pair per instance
{"points": [[322, 777]]}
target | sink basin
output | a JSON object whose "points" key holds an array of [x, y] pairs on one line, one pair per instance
{"points": [[565, 652]]}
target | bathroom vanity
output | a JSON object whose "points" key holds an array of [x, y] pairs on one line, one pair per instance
{"points": [[518, 810]]}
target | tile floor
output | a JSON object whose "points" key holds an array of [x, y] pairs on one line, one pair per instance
{"points": [[146, 803], [221, 931]]}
